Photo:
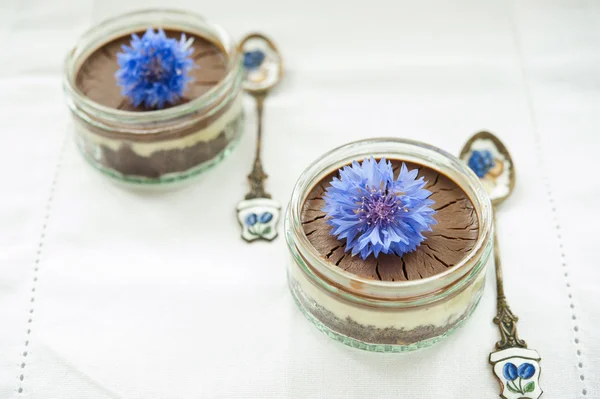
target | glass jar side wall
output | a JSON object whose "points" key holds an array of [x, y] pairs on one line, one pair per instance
{"points": [[383, 330]]}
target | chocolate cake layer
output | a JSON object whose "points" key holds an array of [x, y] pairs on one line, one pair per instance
{"points": [[96, 76], [450, 241]]}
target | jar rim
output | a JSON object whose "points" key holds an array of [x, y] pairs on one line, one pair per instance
{"points": [[112, 28], [379, 147]]}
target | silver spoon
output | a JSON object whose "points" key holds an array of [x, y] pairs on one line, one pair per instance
{"points": [[516, 367], [258, 214]]}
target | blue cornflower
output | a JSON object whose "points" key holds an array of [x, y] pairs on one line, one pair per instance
{"points": [[154, 70], [481, 162], [376, 213]]}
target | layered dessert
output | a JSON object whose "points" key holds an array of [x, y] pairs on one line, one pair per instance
{"points": [[406, 323], [154, 143]]}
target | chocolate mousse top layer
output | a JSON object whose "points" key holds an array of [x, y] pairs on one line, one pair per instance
{"points": [[96, 76], [452, 238]]}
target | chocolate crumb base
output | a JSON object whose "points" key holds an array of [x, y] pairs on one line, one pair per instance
{"points": [[161, 162], [96, 75], [446, 245], [370, 334]]}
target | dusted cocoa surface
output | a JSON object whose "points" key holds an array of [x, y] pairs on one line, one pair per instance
{"points": [[450, 241], [96, 76]]}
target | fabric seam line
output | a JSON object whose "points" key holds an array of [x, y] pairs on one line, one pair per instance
{"points": [[548, 187], [37, 261]]}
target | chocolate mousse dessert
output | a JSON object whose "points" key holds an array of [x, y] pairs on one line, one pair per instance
{"points": [[160, 148], [96, 76], [450, 240]]}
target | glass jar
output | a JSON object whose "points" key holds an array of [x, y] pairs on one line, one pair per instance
{"points": [[164, 145], [386, 316]]}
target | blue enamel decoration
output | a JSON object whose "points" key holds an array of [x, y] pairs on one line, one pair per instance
{"points": [[251, 219], [253, 59], [526, 371], [265, 217], [510, 372], [481, 162]]}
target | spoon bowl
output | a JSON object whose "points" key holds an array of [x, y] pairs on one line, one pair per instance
{"points": [[262, 62], [498, 177]]}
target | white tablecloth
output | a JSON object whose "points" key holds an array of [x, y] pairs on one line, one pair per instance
{"points": [[106, 293]]}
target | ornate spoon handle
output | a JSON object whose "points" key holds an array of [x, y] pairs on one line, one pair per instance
{"points": [[258, 176], [516, 367], [258, 214], [505, 319]]}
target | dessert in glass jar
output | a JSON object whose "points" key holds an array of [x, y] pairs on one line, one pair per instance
{"points": [[141, 139], [374, 293]]}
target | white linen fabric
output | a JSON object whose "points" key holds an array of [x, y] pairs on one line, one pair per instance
{"points": [[109, 293]]}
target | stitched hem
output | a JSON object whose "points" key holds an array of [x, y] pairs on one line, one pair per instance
{"points": [[36, 264], [549, 195]]}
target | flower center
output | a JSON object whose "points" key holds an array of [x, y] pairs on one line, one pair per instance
{"points": [[379, 207], [155, 71]]}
